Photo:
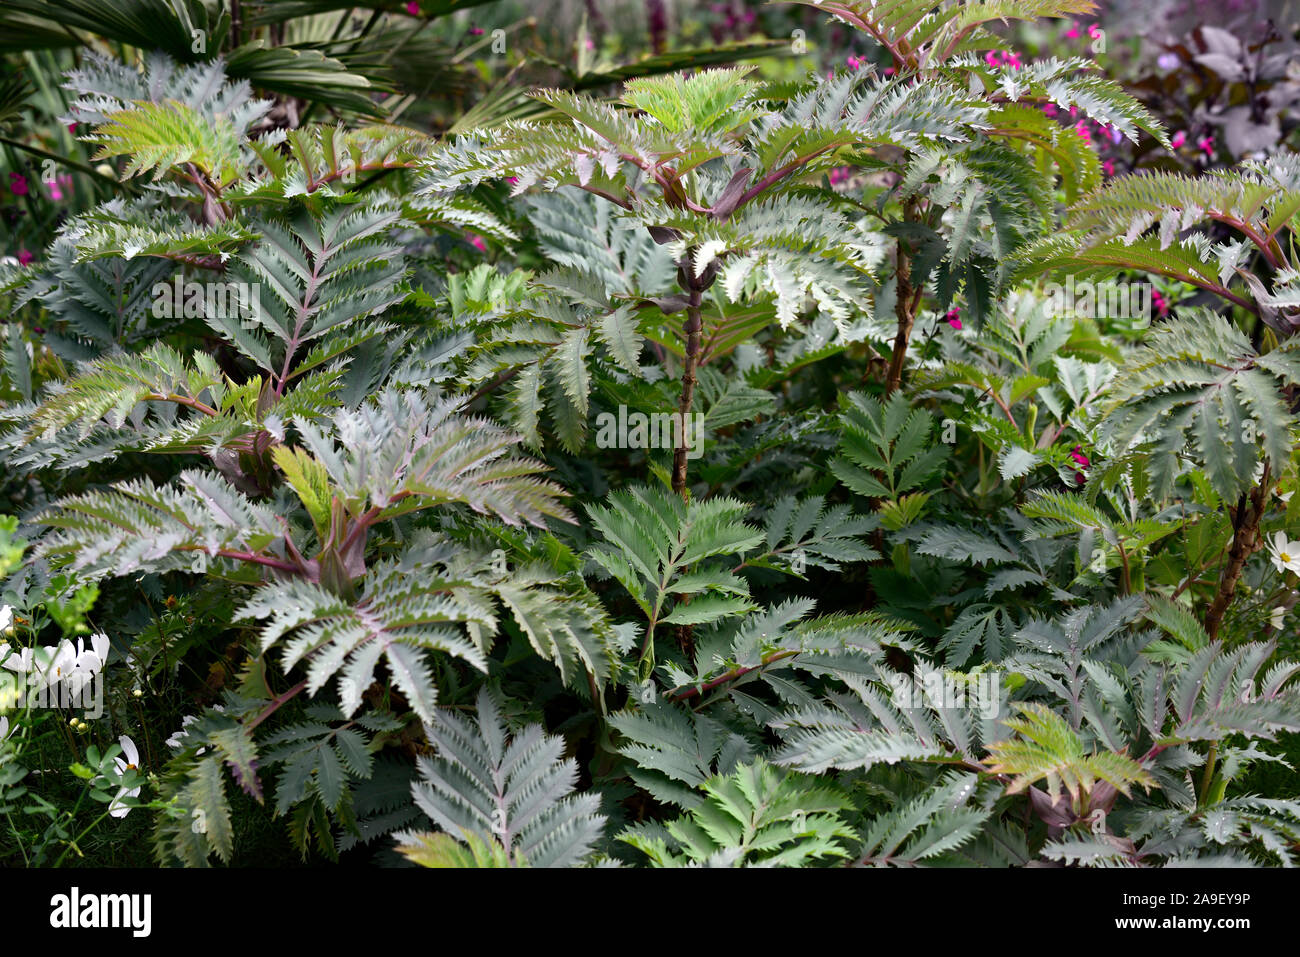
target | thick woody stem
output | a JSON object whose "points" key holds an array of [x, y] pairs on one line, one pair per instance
{"points": [[905, 306], [1250, 511]]}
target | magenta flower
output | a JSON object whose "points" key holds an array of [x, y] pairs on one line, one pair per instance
{"points": [[991, 58], [1108, 167], [1178, 139], [1082, 129], [889, 71], [24, 257], [18, 184], [413, 8], [1094, 30], [855, 62], [475, 31], [1158, 300], [1073, 33], [1207, 145], [1082, 461], [952, 317], [1012, 59], [61, 186], [1049, 109], [477, 242]]}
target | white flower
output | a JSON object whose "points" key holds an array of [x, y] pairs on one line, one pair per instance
{"points": [[35, 663], [6, 617], [175, 741], [132, 760], [1275, 617], [1285, 554], [4, 728], [65, 665], [98, 649], [87, 662], [47, 666], [17, 660]]}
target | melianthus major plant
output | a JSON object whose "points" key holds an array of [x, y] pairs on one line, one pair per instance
{"points": [[293, 518], [825, 643], [723, 173]]}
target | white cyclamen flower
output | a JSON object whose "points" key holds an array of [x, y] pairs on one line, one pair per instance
{"points": [[131, 763], [6, 617], [1275, 617], [4, 728], [1285, 554]]}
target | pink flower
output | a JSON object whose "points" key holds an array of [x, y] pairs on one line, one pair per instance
{"points": [[1013, 60], [18, 184], [951, 318], [1073, 32], [477, 242], [991, 58], [1207, 145], [413, 8], [72, 128], [1074, 111], [840, 174], [1049, 109], [1162, 307], [1082, 129], [889, 71], [854, 63], [1108, 167], [61, 186], [475, 31], [1082, 461], [24, 257], [1179, 139], [1094, 30]]}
